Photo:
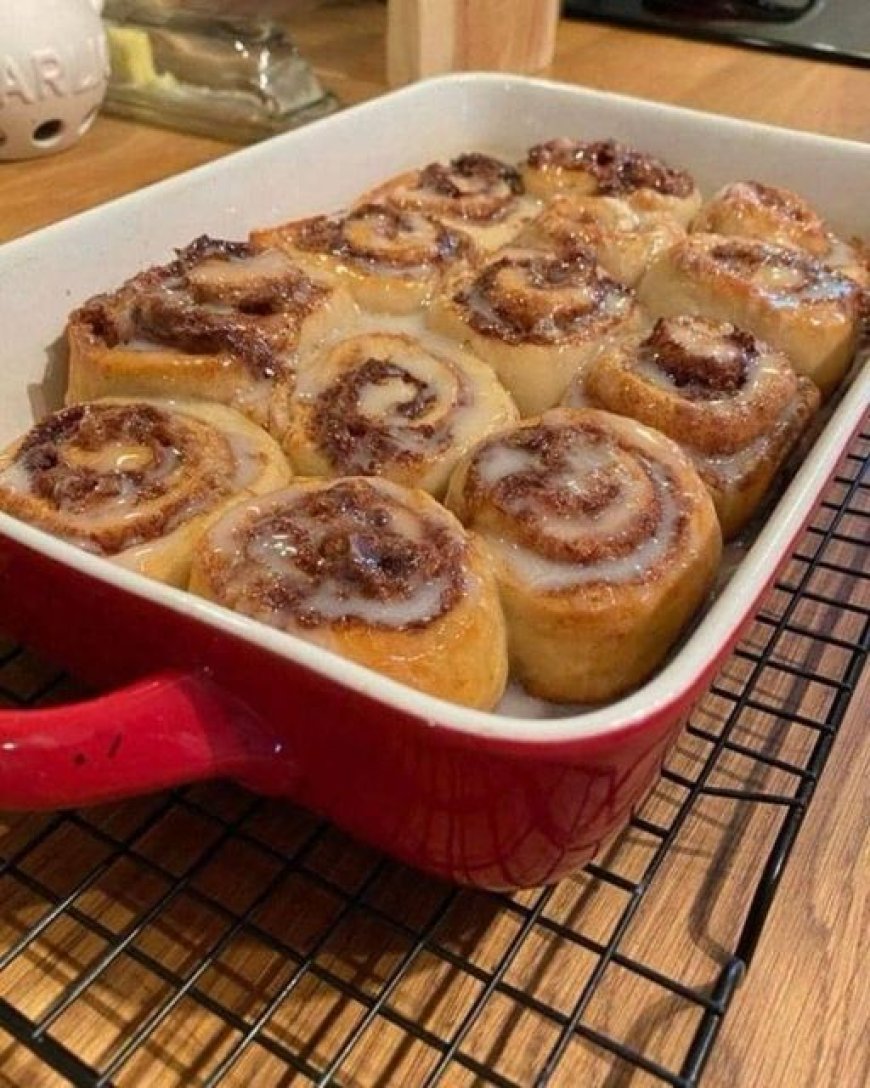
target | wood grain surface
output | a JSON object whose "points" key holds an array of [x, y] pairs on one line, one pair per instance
{"points": [[196, 982], [429, 37]]}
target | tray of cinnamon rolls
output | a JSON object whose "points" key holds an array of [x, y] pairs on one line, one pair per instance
{"points": [[491, 405]]}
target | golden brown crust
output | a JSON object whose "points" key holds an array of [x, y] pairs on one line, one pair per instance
{"points": [[604, 541], [481, 195], [376, 572], [781, 294], [536, 318], [220, 322], [732, 403], [606, 168], [136, 481], [770, 213], [622, 240], [391, 259], [393, 405]]}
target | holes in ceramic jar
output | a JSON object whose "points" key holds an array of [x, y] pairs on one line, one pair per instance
{"points": [[47, 133], [2, 137]]}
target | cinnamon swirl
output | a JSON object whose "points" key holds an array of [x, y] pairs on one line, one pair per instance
{"points": [[733, 404], [604, 542], [137, 481], [482, 196], [392, 405], [606, 168], [623, 241], [748, 209], [219, 322], [784, 296], [376, 572], [536, 319], [392, 260]]}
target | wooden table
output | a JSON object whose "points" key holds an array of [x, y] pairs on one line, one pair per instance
{"points": [[798, 1019]]}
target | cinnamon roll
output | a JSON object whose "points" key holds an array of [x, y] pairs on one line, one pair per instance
{"points": [[137, 481], [607, 168], [219, 322], [393, 405], [782, 295], [536, 318], [480, 195], [392, 260], [623, 241], [748, 209], [733, 404], [377, 572], [604, 542]]}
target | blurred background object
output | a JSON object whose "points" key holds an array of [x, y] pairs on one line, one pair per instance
{"points": [[833, 30], [227, 69], [428, 37], [53, 72]]}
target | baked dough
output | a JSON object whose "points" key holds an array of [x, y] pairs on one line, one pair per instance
{"points": [[137, 481], [392, 260], [376, 572], [782, 295], [394, 405], [731, 402], [599, 168], [770, 213], [623, 241], [604, 542], [536, 318], [477, 194], [220, 322]]}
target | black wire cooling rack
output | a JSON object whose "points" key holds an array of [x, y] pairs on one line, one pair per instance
{"points": [[209, 937]]}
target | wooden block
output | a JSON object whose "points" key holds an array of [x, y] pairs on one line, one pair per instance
{"points": [[428, 37]]}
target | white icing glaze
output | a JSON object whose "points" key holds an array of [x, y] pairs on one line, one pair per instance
{"points": [[700, 339], [114, 457], [728, 470], [784, 275], [778, 278], [125, 458], [584, 466], [248, 457], [457, 404], [589, 300], [639, 483], [499, 460], [16, 478], [276, 554], [356, 265], [548, 575], [363, 231], [143, 344], [233, 271], [848, 261]]}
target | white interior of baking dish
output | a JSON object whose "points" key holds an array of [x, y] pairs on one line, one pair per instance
{"points": [[322, 167]]}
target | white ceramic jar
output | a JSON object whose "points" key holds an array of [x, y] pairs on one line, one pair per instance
{"points": [[53, 74]]}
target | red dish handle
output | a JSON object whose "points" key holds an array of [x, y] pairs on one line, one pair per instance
{"points": [[173, 728]]}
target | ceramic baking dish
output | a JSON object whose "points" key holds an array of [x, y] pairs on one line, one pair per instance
{"points": [[503, 799]]}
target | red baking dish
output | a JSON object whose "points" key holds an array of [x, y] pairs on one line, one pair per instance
{"points": [[515, 797]]}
